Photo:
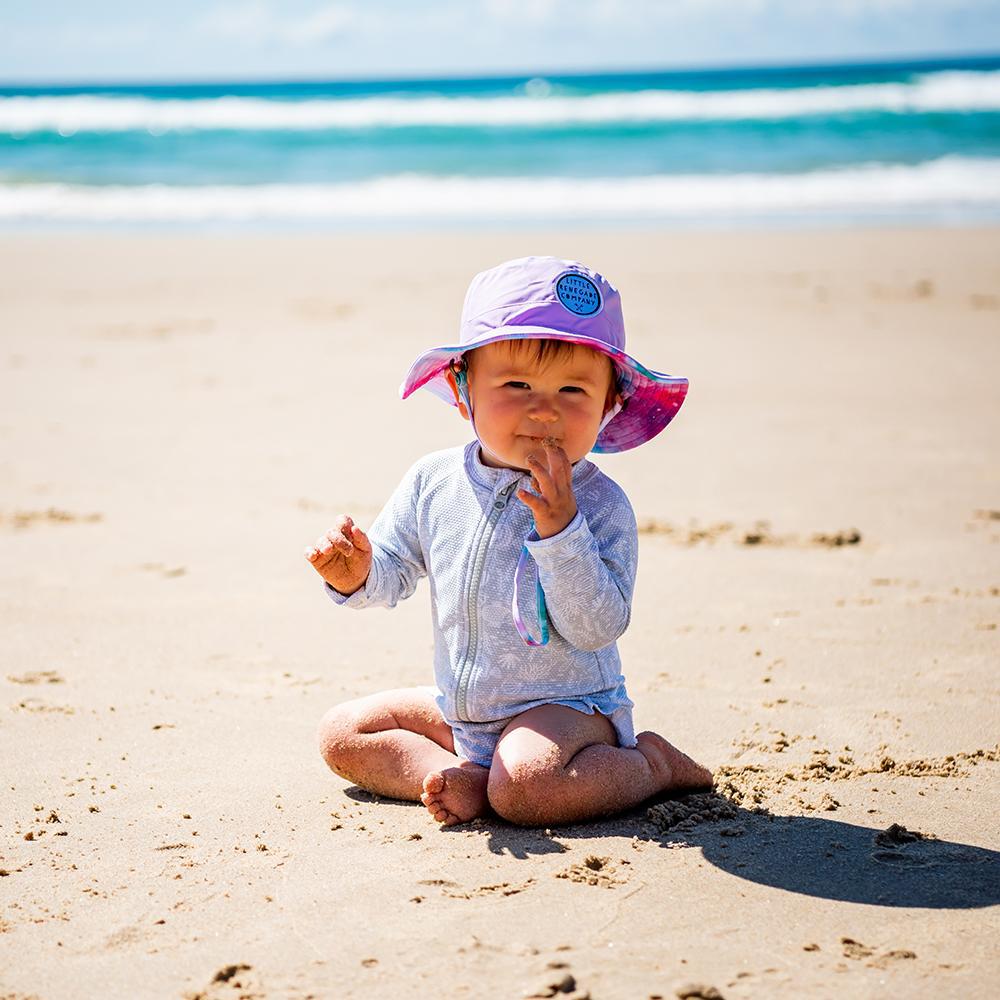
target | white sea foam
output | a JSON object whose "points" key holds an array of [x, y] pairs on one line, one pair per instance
{"points": [[951, 183], [960, 90]]}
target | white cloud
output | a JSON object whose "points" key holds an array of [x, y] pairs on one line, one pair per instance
{"points": [[240, 22], [328, 21], [526, 12], [639, 12], [261, 23]]}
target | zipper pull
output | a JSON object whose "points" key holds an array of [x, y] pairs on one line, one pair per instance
{"points": [[501, 500]]}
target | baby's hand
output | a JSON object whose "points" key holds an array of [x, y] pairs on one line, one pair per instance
{"points": [[552, 476], [343, 556]]}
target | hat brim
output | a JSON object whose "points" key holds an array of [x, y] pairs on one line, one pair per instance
{"points": [[651, 399]]}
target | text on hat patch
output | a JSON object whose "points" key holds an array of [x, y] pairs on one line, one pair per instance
{"points": [[578, 294]]}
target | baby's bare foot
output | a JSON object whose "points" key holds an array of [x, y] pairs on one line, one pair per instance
{"points": [[674, 769], [456, 794]]}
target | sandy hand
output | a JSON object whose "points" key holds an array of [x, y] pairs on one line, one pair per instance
{"points": [[554, 505], [343, 556]]}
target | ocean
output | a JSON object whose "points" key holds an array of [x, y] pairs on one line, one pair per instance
{"points": [[915, 142]]}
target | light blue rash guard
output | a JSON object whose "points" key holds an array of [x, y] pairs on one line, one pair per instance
{"points": [[459, 522]]}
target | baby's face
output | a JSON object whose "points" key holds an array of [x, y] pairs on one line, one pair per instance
{"points": [[518, 400]]}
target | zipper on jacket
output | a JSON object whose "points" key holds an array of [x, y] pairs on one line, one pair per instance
{"points": [[478, 562]]}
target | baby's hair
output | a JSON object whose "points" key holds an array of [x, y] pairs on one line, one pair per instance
{"points": [[544, 350]]}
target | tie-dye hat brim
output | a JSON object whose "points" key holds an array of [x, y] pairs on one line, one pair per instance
{"points": [[554, 299]]}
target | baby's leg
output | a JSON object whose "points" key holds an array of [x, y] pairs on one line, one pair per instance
{"points": [[554, 764], [391, 742]]}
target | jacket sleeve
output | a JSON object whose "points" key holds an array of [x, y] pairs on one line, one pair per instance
{"points": [[397, 556], [587, 573]]}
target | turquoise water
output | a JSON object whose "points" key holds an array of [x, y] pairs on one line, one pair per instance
{"points": [[907, 141]]}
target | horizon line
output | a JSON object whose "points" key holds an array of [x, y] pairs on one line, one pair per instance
{"points": [[917, 60]]}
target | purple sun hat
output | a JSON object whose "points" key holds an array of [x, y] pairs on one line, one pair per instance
{"points": [[555, 299]]}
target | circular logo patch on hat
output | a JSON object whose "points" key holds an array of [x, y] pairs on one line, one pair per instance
{"points": [[578, 294]]}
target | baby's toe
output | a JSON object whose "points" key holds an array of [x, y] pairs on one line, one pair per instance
{"points": [[434, 783]]}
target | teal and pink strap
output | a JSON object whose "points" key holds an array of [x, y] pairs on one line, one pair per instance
{"points": [[543, 615]]}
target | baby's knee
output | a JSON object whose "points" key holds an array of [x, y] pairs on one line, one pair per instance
{"points": [[521, 792], [337, 732]]}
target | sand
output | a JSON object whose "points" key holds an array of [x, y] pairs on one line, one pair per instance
{"points": [[816, 617]]}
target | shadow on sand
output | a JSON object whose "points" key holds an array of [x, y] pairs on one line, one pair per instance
{"points": [[830, 859], [809, 855]]}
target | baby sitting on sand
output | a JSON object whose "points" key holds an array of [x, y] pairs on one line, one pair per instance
{"points": [[517, 526]]}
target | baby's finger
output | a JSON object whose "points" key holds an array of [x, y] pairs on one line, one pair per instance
{"points": [[322, 559], [339, 541], [536, 504], [559, 463], [360, 539], [311, 554], [343, 524], [541, 476]]}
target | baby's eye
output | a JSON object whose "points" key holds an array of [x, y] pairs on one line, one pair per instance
{"points": [[572, 388], [517, 385]]}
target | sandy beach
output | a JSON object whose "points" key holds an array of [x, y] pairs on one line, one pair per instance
{"points": [[816, 618]]}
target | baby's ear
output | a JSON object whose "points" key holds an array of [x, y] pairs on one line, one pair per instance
{"points": [[450, 376], [613, 399]]}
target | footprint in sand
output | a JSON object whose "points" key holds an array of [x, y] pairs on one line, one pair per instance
{"points": [[594, 870], [890, 957], [165, 571], [558, 983], [897, 859], [454, 891], [499, 889], [231, 981], [21, 519], [697, 991], [760, 534], [39, 706], [37, 677], [832, 541], [856, 951]]}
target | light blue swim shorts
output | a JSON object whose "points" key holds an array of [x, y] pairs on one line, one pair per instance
{"points": [[477, 741]]}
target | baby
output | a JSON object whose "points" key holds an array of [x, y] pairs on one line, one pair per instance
{"points": [[518, 534]]}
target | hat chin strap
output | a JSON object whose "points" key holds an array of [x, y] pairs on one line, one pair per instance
{"points": [[609, 416], [462, 384]]}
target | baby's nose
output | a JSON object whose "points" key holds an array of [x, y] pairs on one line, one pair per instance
{"points": [[544, 413]]}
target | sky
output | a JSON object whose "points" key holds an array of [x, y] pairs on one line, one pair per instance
{"points": [[121, 40]]}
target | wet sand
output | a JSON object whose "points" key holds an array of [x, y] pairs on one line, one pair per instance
{"points": [[816, 618]]}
